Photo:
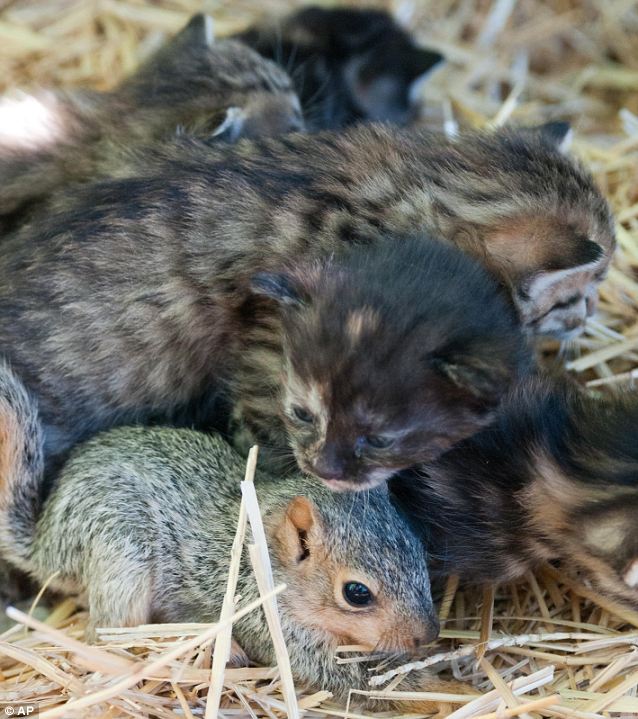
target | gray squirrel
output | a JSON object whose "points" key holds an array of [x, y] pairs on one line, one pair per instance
{"points": [[141, 521]]}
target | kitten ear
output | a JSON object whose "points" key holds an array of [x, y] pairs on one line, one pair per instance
{"points": [[559, 133], [199, 31], [280, 287], [229, 130], [537, 245], [573, 258], [425, 62], [299, 520], [468, 373], [576, 251]]}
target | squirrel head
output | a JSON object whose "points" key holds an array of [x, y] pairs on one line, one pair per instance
{"points": [[355, 574]]}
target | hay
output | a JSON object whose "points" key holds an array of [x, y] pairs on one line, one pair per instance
{"points": [[547, 646]]}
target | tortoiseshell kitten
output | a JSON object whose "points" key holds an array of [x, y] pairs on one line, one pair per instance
{"points": [[389, 355], [192, 84], [347, 64], [554, 478]]}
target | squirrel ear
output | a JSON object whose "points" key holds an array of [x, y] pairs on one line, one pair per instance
{"points": [[280, 287], [301, 513], [293, 533]]}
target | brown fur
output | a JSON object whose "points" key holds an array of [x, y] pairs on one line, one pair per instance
{"points": [[193, 84], [555, 478], [429, 374], [511, 198]]}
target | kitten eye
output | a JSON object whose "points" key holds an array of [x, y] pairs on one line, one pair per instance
{"points": [[378, 441], [357, 594], [303, 415]]}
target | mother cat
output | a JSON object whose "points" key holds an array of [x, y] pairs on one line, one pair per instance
{"points": [[147, 251]]}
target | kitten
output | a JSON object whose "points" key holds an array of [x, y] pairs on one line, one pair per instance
{"points": [[554, 478], [389, 358], [205, 88], [348, 64], [388, 355], [511, 198]]}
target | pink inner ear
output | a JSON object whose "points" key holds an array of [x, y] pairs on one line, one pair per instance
{"points": [[533, 245]]}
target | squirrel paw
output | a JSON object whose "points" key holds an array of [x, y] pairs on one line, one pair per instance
{"points": [[238, 657]]}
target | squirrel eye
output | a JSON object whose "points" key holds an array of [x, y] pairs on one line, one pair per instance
{"points": [[357, 594], [303, 415], [378, 441]]}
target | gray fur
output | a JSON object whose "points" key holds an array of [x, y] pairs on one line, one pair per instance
{"points": [[142, 521]]}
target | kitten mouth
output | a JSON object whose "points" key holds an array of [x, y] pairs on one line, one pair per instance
{"points": [[561, 333], [341, 485]]}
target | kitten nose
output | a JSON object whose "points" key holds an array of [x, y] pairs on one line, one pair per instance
{"points": [[328, 468], [591, 303]]}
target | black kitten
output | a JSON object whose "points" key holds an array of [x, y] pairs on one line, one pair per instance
{"points": [[347, 64]]}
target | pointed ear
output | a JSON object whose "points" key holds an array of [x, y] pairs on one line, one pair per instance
{"points": [[299, 520], [575, 251], [280, 287], [482, 381], [530, 245], [200, 31], [229, 129], [425, 62], [559, 133], [573, 257]]}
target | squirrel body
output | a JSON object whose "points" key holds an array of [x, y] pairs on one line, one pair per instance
{"points": [[141, 521]]}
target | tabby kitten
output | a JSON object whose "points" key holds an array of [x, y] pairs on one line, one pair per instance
{"points": [[364, 365], [554, 478], [511, 198], [347, 64], [205, 88]]}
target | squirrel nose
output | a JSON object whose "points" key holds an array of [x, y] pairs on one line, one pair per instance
{"points": [[431, 633]]}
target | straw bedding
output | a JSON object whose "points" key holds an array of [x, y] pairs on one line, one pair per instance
{"points": [[548, 646]]}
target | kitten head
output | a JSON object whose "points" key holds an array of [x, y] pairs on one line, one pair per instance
{"points": [[390, 357], [382, 67], [545, 228], [193, 81], [348, 64]]}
